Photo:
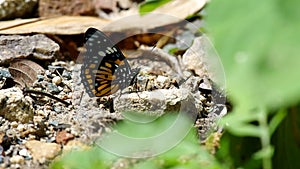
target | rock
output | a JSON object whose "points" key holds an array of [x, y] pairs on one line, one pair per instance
{"points": [[75, 145], [14, 106], [67, 75], [40, 78], [48, 8], [125, 4], [37, 46], [14, 124], [16, 8], [52, 88], [154, 103], [4, 73], [6, 79], [48, 74], [1, 150], [62, 137], [41, 151], [17, 159], [194, 57], [56, 80], [21, 127], [24, 152]]}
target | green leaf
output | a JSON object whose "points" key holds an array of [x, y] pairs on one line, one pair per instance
{"points": [[239, 122], [276, 120], [258, 42], [268, 152], [150, 5]]}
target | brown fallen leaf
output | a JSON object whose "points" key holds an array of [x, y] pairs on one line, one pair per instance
{"points": [[25, 71], [173, 12]]}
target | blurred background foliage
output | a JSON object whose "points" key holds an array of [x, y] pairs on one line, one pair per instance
{"points": [[258, 43]]}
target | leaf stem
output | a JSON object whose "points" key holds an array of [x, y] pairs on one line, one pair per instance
{"points": [[265, 138]]}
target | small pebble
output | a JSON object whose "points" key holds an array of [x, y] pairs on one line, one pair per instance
{"points": [[40, 78], [57, 80], [72, 63], [60, 88], [21, 127], [24, 152], [62, 137], [1, 159], [41, 113], [66, 90], [4, 73], [48, 74], [41, 151], [161, 79], [67, 75], [53, 88], [17, 159], [37, 119], [1, 150], [57, 109], [14, 124], [53, 123]]}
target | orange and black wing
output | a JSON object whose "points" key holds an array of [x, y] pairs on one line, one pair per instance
{"points": [[105, 68]]}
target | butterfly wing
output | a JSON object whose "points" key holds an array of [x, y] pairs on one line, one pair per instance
{"points": [[105, 69]]}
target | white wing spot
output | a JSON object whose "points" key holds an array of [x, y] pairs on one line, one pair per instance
{"points": [[110, 49], [101, 53]]}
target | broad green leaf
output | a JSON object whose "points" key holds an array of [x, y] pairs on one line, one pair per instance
{"points": [[258, 42], [150, 5]]}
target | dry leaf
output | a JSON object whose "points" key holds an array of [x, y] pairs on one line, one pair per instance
{"points": [[170, 13], [25, 71]]}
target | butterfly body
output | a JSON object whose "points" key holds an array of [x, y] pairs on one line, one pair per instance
{"points": [[105, 69]]}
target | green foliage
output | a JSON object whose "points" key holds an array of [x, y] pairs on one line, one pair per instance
{"points": [[258, 42], [88, 159], [259, 47], [150, 5], [187, 154]]}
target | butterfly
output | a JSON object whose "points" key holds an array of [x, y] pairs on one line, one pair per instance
{"points": [[105, 69]]}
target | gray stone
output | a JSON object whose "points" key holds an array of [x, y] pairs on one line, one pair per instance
{"points": [[56, 80], [52, 88], [154, 103], [37, 46], [14, 106], [40, 78], [67, 75], [4, 73], [16, 8]]}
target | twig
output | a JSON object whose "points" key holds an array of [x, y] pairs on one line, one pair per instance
{"points": [[46, 94]]}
